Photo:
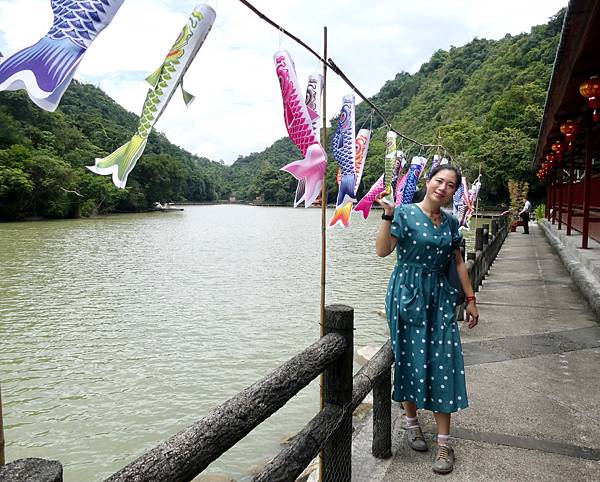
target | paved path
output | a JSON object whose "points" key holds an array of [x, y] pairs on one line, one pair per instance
{"points": [[533, 376]]}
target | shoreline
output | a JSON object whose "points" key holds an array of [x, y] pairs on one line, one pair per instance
{"points": [[482, 213]]}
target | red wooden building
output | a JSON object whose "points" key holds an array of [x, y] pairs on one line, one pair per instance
{"points": [[569, 140]]}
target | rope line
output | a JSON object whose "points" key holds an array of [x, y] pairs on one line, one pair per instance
{"points": [[333, 66]]}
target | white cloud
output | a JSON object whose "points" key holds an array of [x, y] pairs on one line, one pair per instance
{"points": [[238, 105]]}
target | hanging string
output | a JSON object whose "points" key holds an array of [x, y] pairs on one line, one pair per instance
{"points": [[332, 65], [370, 118]]}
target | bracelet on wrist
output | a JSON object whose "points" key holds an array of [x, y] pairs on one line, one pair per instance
{"points": [[471, 298], [387, 217]]}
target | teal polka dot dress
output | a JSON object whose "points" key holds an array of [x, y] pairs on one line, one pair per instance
{"points": [[420, 305]]}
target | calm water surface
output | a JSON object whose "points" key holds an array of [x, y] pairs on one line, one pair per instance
{"points": [[117, 332]]}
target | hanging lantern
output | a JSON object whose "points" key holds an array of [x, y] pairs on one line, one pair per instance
{"points": [[559, 148], [569, 129], [590, 89]]}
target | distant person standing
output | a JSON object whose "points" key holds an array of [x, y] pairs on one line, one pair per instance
{"points": [[524, 214]]}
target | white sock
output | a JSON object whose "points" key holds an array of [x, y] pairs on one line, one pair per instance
{"points": [[443, 440], [412, 422]]}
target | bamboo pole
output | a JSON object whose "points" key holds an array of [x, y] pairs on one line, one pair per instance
{"points": [[324, 188], [323, 227], [2, 457]]}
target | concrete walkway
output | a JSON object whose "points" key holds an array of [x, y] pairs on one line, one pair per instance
{"points": [[533, 377]]}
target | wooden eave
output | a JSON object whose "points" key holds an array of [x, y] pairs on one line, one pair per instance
{"points": [[577, 58]]}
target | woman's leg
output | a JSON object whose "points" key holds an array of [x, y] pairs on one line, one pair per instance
{"points": [[442, 420], [415, 437], [444, 462], [410, 408]]}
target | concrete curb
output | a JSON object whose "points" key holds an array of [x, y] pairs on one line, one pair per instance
{"points": [[583, 277]]}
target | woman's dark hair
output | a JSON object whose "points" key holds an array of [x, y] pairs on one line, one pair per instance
{"points": [[447, 167]]}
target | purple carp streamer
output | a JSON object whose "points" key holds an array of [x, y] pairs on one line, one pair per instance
{"points": [[46, 68], [417, 166], [299, 124], [343, 146], [435, 162]]}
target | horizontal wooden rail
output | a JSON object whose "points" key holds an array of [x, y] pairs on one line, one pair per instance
{"points": [[189, 452], [303, 448]]}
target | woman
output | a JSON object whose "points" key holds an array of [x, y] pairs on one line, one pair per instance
{"points": [[421, 304]]}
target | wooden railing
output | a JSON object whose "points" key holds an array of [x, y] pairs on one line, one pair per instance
{"points": [[189, 452], [487, 245]]}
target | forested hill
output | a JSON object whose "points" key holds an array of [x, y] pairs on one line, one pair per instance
{"points": [[483, 101], [42, 159]]}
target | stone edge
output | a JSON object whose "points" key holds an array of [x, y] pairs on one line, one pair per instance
{"points": [[588, 284]]}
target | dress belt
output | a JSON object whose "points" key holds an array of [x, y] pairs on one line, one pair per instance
{"points": [[426, 268]]}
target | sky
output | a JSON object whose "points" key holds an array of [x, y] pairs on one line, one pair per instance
{"points": [[238, 108]]}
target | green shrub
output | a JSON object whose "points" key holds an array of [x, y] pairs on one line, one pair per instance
{"points": [[540, 211]]}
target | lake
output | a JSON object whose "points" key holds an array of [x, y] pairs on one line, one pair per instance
{"points": [[119, 331]]}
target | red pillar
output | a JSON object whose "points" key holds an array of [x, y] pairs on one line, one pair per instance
{"points": [[548, 187], [570, 193], [560, 190], [553, 180], [587, 186]]}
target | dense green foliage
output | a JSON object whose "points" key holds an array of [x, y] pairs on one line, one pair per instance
{"points": [[483, 101], [42, 159]]}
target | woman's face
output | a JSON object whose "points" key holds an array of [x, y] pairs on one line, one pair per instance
{"points": [[442, 186]]}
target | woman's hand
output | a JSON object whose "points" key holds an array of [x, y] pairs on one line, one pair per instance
{"points": [[384, 203], [472, 314]]}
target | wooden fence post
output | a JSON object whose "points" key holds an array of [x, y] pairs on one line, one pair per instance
{"points": [[382, 416], [337, 390], [494, 228], [479, 239], [2, 457], [486, 234]]}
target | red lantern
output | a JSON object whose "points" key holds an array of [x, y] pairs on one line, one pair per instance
{"points": [[590, 89], [569, 129], [559, 147]]}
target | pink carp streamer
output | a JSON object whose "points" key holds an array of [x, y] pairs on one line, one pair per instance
{"points": [[364, 205], [299, 124]]}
